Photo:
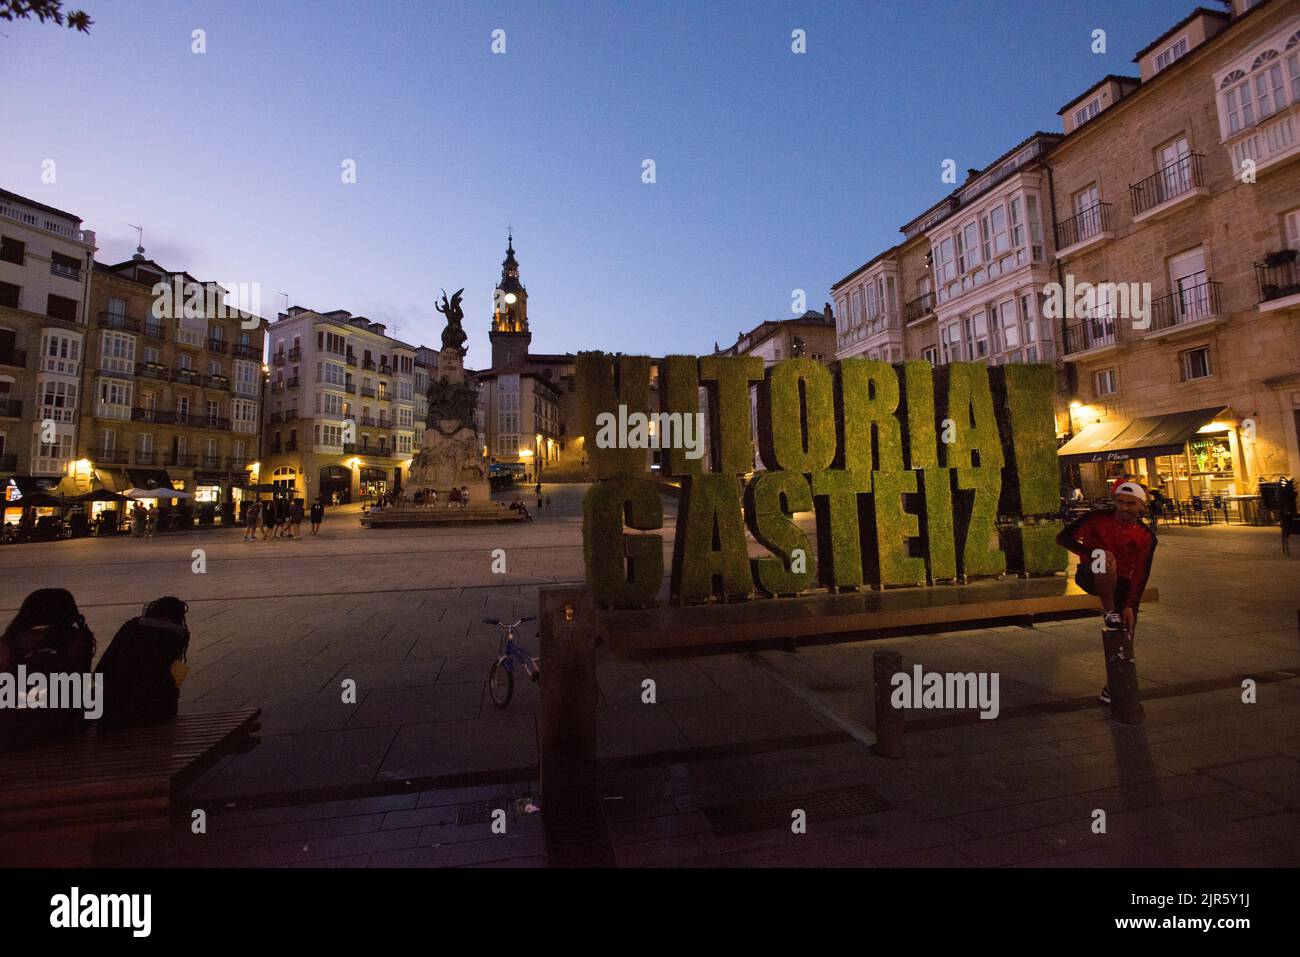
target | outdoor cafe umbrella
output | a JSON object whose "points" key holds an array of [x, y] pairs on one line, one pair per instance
{"points": [[142, 493], [100, 495], [42, 500]]}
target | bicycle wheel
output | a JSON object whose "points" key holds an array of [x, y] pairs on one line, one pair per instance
{"points": [[501, 683]]}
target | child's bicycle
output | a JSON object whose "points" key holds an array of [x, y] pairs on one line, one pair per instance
{"points": [[501, 678]]}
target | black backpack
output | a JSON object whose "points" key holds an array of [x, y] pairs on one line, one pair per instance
{"points": [[139, 688], [62, 650]]}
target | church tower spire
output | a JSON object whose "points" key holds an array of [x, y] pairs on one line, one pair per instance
{"points": [[510, 335]]}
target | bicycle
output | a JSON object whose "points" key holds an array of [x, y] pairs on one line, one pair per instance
{"points": [[501, 676]]}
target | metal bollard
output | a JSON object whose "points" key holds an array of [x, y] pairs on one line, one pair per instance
{"points": [[889, 720], [1121, 676]]}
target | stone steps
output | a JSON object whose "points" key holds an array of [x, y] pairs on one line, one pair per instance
{"points": [[411, 517]]}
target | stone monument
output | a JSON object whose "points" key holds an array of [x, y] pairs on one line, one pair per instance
{"points": [[452, 454]]}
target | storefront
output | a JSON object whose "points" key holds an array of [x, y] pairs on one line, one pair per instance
{"points": [[21, 490], [374, 482], [1183, 454], [335, 484]]}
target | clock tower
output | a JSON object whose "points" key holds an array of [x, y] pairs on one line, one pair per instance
{"points": [[510, 336]]}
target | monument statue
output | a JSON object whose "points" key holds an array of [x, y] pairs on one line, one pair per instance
{"points": [[453, 336], [451, 455]]}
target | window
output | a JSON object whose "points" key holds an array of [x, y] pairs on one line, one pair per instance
{"points": [[237, 453], [117, 352], [9, 294], [60, 307], [214, 412], [144, 443], [61, 353], [950, 343], [245, 378], [216, 333], [1010, 325], [243, 415], [998, 226], [58, 400], [1171, 53], [1027, 319], [331, 404], [1195, 363], [214, 367], [115, 395], [1103, 383], [977, 335], [151, 355], [1017, 228], [12, 250], [182, 408], [931, 355], [334, 374], [1088, 111], [186, 336], [184, 361], [1291, 229]]}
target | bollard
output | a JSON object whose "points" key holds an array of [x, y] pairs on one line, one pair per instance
{"points": [[889, 720], [1121, 676], [574, 821]]}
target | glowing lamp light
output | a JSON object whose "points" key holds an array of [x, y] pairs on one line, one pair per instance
{"points": [[511, 297], [1214, 427], [1076, 404]]}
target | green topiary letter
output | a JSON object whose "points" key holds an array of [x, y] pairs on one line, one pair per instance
{"points": [[796, 417], [771, 500], [623, 570], [710, 540]]}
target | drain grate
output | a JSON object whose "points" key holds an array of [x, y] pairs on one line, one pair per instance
{"points": [[772, 814], [480, 812]]}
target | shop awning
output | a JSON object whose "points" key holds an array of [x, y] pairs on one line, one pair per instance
{"points": [[36, 484], [1122, 439], [142, 478], [115, 480]]}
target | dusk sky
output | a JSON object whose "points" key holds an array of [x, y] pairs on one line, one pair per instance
{"points": [[775, 171]]}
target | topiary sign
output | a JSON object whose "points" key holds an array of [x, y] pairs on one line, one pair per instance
{"points": [[906, 469]]}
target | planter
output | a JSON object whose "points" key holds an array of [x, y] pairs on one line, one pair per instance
{"points": [[1280, 258]]}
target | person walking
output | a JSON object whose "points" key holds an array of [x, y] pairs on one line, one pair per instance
{"points": [[151, 520], [317, 515], [1115, 552], [282, 509], [295, 519], [252, 513], [548, 505], [137, 520]]}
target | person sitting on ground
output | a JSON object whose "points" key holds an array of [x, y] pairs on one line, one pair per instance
{"points": [[453, 497], [47, 636], [464, 496], [144, 666], [1115, 549]]}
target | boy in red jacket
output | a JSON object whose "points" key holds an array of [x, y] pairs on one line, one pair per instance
{"points": [[1115, 552]]}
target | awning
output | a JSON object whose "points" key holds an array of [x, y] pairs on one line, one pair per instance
{"points": [[36, 484], [1122, 439], [115, 480], [149, 478]]}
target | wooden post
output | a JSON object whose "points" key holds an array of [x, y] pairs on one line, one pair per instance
{"points": [[889, 720], [571, 810], [1121, 677]]}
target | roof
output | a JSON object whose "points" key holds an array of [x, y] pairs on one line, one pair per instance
{"points": [[867, 265], [1220, 14], [770, 327], [1105, 79], [5, 194]]}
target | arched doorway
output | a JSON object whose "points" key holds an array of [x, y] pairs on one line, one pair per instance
{"points": [[335, 484], [374, 482]]}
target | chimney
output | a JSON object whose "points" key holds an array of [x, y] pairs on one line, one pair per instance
{"points": [[826, 311]]}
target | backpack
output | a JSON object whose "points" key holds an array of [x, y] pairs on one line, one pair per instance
{"points": [[139, 688], [62, 650]]}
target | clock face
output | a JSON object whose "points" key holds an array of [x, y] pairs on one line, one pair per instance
{"points": [[510, 297]]}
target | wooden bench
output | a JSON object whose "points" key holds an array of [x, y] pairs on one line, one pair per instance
{"points": [[125, 778]]}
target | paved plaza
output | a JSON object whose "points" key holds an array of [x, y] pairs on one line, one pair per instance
{"points": [[402, 776]]}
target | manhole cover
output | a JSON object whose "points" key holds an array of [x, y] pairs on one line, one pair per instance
{"points": [[773, 814]]}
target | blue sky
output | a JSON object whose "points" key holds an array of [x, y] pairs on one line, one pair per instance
{"points": [[775, 171]]}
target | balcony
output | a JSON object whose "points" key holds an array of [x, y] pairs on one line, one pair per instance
{"points": [[235, 465], [1194, 307], [292, 383], [279, 358], [919, 308], [350, 389], [152, 370], [147, 458], [277, 418], [241, 351], [154, 330], [14, 357], [110, 456], [351, 359], [367, 392], [217, 382], [67, 272], [209, 422], [1089, 228], [113, 320], [291, 445], [1182, 181], [113, 410], [1268, 143], [368, 364], [295, 353], [368, 421], [351, 448], [9, 462], [217, 345], [1278, 279], [182, 460], [210, 461], [385, 370], [11, 408], [1091, 338], [157, 416], [275, 448], [187, 376]]}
